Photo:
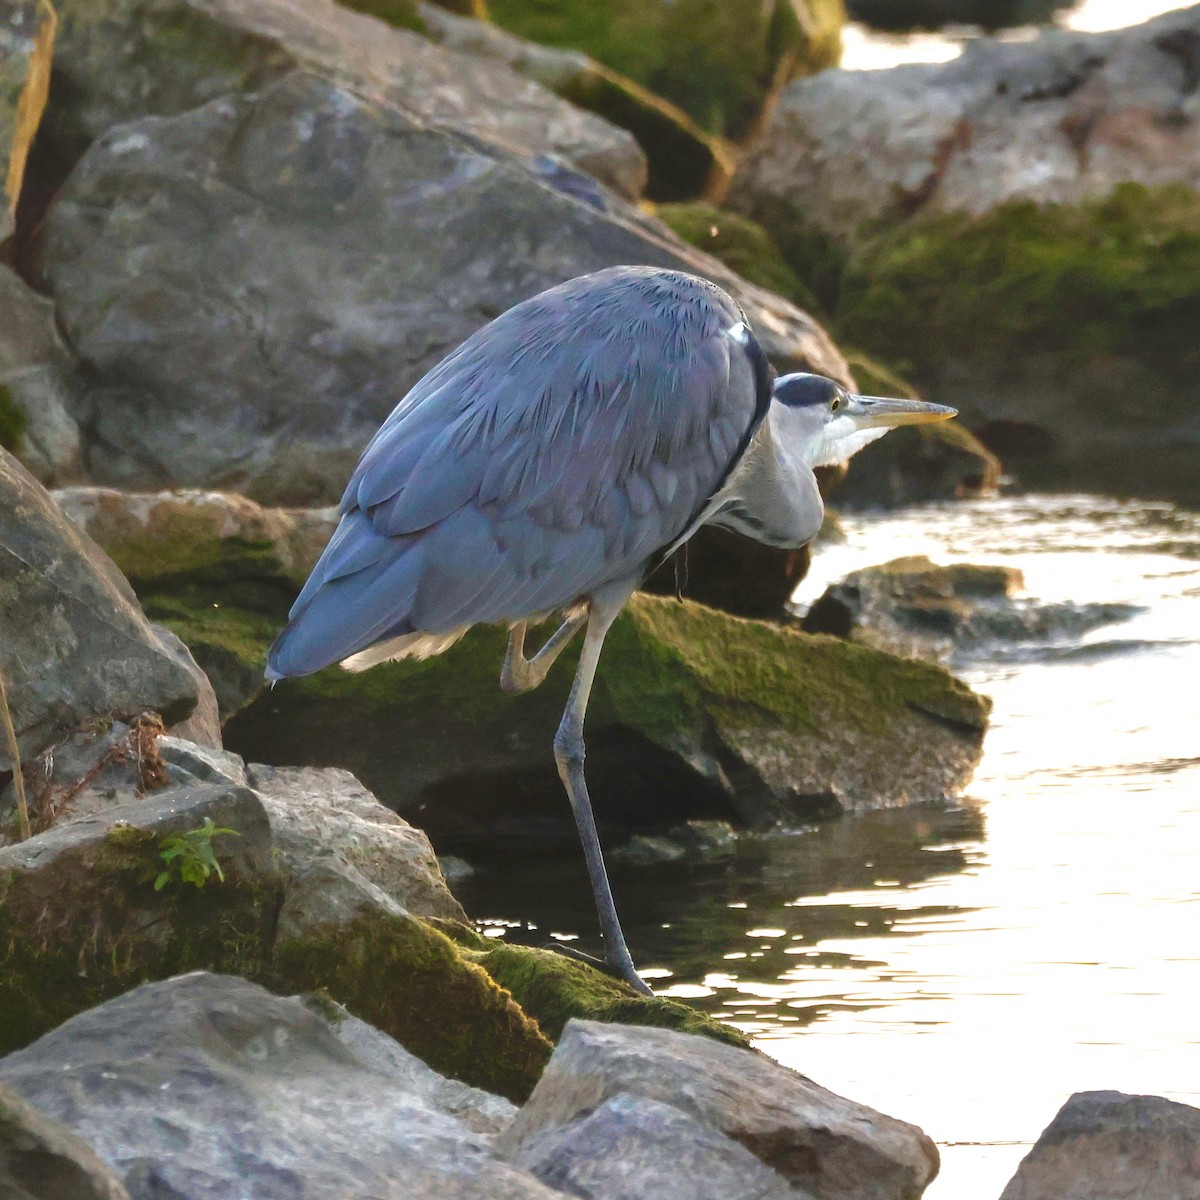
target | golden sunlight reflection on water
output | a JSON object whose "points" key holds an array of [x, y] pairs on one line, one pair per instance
{"points": [[1063, 955]]}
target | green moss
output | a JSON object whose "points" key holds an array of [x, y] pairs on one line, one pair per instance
{"points": [[715, 60], [13, 421], [741, 244], [411, 981], [1115, 276], [554, 988]]}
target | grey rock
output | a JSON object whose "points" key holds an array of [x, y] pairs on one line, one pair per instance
{"points": [[120, 60], [631, 1148], [1059, 118], [342, 248], [85, 920], [205, 1087], [41, 1159], [26, 47], [325, 813], [74, 645], [815, 1140], [197, 763], [204, 725], [480, 1111], [36, 374], [1110, 1146], [914, 607]]}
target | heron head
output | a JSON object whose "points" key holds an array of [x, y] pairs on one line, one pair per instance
{"points": [[824, 423]]}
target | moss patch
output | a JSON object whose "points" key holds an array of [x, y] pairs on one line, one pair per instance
{"points": [[742, 244], [411, 981], [13, 421], [554, 988], [717, 61], [1115, 276]]}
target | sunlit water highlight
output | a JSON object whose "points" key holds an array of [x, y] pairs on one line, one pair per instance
{"points": [[865, 49], [968, 969]]}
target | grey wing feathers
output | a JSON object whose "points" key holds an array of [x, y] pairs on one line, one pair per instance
{"points": [[557, 449]]}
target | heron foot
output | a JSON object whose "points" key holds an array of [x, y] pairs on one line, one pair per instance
{"points": [[520, 674], [601, 964]]}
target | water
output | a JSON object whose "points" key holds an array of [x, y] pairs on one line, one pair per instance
{"points": [[968, 969], [866, 49]]}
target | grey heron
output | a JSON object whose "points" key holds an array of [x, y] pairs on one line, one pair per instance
{"points": [[547, 464]]}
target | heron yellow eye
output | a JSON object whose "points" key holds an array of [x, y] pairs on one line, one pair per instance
{"points": [[837, 404]]}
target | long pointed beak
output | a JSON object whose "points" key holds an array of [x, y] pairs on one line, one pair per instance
{"points": [[873, 412]]}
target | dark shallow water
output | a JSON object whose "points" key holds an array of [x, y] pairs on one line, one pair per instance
{"points": [[968, 968]]}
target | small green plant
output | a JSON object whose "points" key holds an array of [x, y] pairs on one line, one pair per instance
{"points": [[189, 857]]}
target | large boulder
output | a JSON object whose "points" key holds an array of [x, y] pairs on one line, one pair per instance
{"points": [[1059, 119], [342, 248], [26, 49], [1110, 1146], [208, 1086], [1020, 229], [818, 1142], [694, 713], [74, 645], [721, 63], [117, 60]]}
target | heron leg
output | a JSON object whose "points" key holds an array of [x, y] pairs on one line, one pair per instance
{"points": [[568, 753], [521, 674]]}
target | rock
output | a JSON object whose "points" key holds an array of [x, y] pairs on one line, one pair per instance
{"points": [[1061, 118], [721, 65], [683, 159], [41, 1159], [363, 309], [35, 375], [694, 714], [902, 16], [1110, 1146], [205, 1086], [120, 60], [321, 813], [219, 570], [482, 1112], [630, 1148], [913, 606], [83, 918], [818, 1142], [74, 645], [26, 49]]}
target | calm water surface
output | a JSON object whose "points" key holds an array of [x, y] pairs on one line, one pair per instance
{"points": [[967, 969]]}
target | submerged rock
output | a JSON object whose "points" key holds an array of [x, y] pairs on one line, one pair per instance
{"points": [[41, 1159], [206, 1086], [694, 714], [1110, 1146], [913, 606], [74, 645], [324, 306], [815, 1141]]}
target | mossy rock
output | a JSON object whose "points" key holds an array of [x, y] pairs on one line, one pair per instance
{"points": [[719, 62], [408, 979], [404, 14], [95, 926], [741, 244], [13, 421], [803, 723], [554, 989]]}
